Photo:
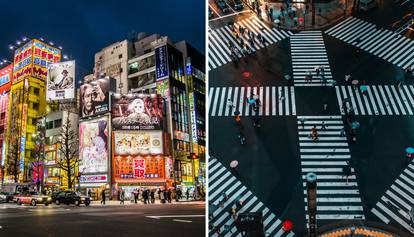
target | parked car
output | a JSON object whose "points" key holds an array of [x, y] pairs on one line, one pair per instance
{"points": [[6, 196], [32, 198], [223, 6], [71, 197], [236, 4]]}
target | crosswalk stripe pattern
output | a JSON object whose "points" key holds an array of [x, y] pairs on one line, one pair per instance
{"points": [[326, 157], [219, 53], [398, 200], [275, 100], [386, 44], [379, 100], [221, 180], [308, 51]]}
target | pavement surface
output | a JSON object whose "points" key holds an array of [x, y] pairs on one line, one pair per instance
{"points": [[275, 157], [96, 220]]}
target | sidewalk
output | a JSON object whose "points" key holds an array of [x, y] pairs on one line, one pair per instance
{"points": [[297, 17], [157, 202]]}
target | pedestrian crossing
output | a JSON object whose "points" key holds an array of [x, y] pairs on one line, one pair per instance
{"points": [[378, 100], [221, 180], [275, 100], [386, 44], [398, 200], [219, 52], [308, 52], [337, 199]]}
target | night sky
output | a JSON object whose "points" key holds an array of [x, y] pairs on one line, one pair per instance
{"points": [[82, 28]]}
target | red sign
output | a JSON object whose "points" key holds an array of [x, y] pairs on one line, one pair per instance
{"points": [[139, 168]]}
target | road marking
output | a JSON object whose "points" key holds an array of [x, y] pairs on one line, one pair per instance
{"points": [[221, 17], [159, 217], [178, 220]]}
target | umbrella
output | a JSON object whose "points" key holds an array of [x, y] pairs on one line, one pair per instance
{"points": [[354, 82], [409, 150], [355, 125], [237, 112], [256, 97], [287, 225], [234, 164], [363, 88], [277, 21]]}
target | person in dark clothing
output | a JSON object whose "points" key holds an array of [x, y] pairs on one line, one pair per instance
{"points": [[136, 196], [187, 193], [179, 193], [165, 196], [152, 196], [103, 197], [347, 171], [169, 195], [89, 193], [145, 196]]}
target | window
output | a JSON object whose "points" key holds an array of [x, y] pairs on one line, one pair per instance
{"points": [[58, 123], [36, 106], [36, 91], [49, 125], [34, 121], [120, 56]]}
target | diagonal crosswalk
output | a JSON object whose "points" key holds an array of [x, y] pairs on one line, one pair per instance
{"points": [[386, 44], [275, 100], [326, 157], [308, 52], [221, 180], [219, 53], [379, 100], [398, 200]]}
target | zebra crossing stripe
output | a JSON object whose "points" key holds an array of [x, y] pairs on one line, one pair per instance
{"points": [[388, 45], [235, 190], [327, 157], [379, 100]]}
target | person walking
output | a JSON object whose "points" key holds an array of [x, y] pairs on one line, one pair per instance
{"points": [[256, 120], [323, 126], [241, 137], [237, 118], [342, 133], [302, 122], [187, 194], [136, 196], [152, 196], [347, 171], [89, 193], [325, 107], [122, 197], [169, 196], [103, 196], [165, 196], [314, 133]]}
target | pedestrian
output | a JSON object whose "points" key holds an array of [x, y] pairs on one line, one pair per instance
{"points": [[314, 133], [347, 79], [317, 70], [237, 118], [347, 171], [179, 193], [136, 196], [152, 196], [342, 133], [187, 193], [352, 135], [122, 197], [323, 126], [256, 120], [302, 122], [241, 137], [103, 196], [169, 196], [89, 193], [225, 197], [162, 197]]}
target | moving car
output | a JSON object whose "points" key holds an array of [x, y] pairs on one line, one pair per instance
{"points": [[365, 5], [236, 4], [6, 196], [32, 198], [223, 6], [71, 197]]}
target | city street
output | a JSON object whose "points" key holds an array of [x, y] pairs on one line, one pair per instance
{"points": [[183, 219], [272, 163]]}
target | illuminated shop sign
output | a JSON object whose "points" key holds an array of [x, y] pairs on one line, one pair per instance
{"points": [[161, 63]]}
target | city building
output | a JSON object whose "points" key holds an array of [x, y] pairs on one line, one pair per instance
{"points": [[27, 105], [6, 75]]}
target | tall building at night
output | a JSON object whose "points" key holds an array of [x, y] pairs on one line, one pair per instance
{"points": [[27, 104], [6, 75]]}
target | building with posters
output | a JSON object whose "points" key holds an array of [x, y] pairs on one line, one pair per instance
{"points": [[27, 102], [112, 61], [165, 68], [6, 75]]}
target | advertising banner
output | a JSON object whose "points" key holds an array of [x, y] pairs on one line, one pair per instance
{"points": [[161, 63], [43, 55], [138, 143], [93, 146], [139, 167], [93, 178], [6, 75], [22, 61], [94, 98], [61, 81], [137, 112]]}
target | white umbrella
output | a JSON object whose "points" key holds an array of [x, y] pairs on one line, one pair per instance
{"points": [[234, 164], [277, 21], [293, 9], [256, 97]]}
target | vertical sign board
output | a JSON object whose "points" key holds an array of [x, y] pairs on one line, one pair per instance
{"points": [[193, 117], [161, 63]]}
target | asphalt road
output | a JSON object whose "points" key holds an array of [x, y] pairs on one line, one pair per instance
{"points": [[112, 220]]}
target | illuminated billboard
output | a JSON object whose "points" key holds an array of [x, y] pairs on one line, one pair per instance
{"points": [[161, 63], [32, 59], [61, 81], [6, 75], [94, 97], [138, 143], [137, 112], [139, 167], [93, 146]]}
